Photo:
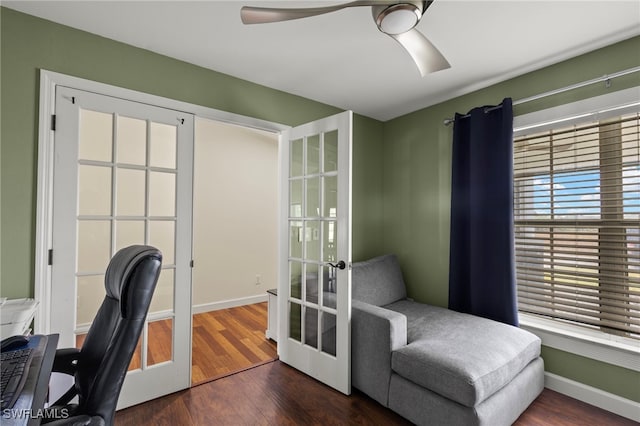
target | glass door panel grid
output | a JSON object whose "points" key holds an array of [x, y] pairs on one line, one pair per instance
{"points": [[120, 203], [312, 237]]}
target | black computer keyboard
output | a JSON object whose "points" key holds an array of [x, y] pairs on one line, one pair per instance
{"points": [[15, 368]]}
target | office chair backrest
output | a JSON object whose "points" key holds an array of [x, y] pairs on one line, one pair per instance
{"points": [[111, 341]]}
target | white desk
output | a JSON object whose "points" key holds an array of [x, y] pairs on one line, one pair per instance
{"points": [[16, 316]]}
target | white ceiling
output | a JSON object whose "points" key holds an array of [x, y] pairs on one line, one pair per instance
{"points": [[342, 59]]}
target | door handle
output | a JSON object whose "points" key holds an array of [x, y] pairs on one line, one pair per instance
{"points": [[339, 265]]}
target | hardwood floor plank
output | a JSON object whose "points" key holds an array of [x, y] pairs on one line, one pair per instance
{"points": [[270, 394], [238, 346], [210, 341], [230, 340], [275, 393], [228, 343], [553, 408]]}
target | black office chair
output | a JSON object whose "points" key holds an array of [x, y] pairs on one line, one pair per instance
{"points": [[100, 366]]}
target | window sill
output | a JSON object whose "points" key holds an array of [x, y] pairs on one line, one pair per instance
{"points": [[615, 350]]}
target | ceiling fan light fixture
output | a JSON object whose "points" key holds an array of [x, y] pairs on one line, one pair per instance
{"points": [[398, 18]]}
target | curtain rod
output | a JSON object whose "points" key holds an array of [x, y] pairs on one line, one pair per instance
{"points": [[605, 78]]}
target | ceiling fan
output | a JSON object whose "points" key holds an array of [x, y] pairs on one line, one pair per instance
{"points": [[397, 19]]}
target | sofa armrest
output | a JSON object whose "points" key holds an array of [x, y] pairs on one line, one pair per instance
{"points": [[375, 333]]}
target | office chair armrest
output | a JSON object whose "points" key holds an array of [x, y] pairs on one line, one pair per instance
{"points": [[65, 361], [80, 420]]}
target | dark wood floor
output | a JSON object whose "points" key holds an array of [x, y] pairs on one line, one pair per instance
{"points": [[553, 408], [276, 394], [227, 343]]}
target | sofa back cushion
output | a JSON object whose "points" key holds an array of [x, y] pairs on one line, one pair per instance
{"points": [[378, 281]]}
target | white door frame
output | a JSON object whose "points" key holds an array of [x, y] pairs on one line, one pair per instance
{"points": [[49, 80]]}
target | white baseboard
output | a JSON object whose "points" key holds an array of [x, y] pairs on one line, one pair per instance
{"points": [[597, 397], [231, 303]]}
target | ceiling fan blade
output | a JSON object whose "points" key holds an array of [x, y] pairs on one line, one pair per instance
{"points": [[261, 15], [426, 56]]}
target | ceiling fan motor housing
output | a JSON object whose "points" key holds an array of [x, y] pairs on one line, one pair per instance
{"points": [[398, 18]]}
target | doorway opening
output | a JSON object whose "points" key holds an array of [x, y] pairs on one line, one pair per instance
{"points": [[235, 247]]}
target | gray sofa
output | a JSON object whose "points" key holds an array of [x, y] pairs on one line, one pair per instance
{"points": [[432, 365]]}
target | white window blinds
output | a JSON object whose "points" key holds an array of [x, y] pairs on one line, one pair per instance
{"points": [[577, 223]]}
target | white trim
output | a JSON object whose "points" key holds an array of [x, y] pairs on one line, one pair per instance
{"points": [[49, 80], [561, 335], [160, 101], [44, 205], [607, 401], [231, 303], [598, 107], [593, 344]]}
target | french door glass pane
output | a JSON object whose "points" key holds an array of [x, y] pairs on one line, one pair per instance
{"points": [[94, 190], [162, 194], [129, 232], [295, 237], [311, 326], [313, 197], [295, 321], [312, 281], [94, 245], [96, 135], [313, 155], [163, 146], [162, 299], [162, 236], [160, 337], [330, 241], [312, 240], [329, 333], [331, 151], [297, 159], [329, 287], [87, 303], [295, 198], [130, 190], [330, 196], [295, 279], [131, 141]]}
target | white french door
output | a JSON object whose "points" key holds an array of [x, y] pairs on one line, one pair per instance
{"points": [[122, 175], [314, 290]]}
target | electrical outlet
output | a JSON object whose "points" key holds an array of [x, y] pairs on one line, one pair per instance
{"points": [[258, 278]]}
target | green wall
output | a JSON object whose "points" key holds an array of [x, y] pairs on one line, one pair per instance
{"points": [[29, 44], [417, 185]]}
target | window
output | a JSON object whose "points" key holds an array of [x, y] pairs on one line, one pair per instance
{"points": [[577, 223]]}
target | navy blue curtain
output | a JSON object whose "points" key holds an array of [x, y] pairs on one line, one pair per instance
{"points": [[482, 258]]}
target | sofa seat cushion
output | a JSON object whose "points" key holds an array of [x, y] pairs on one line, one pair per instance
{"points": [[462, 357]]}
